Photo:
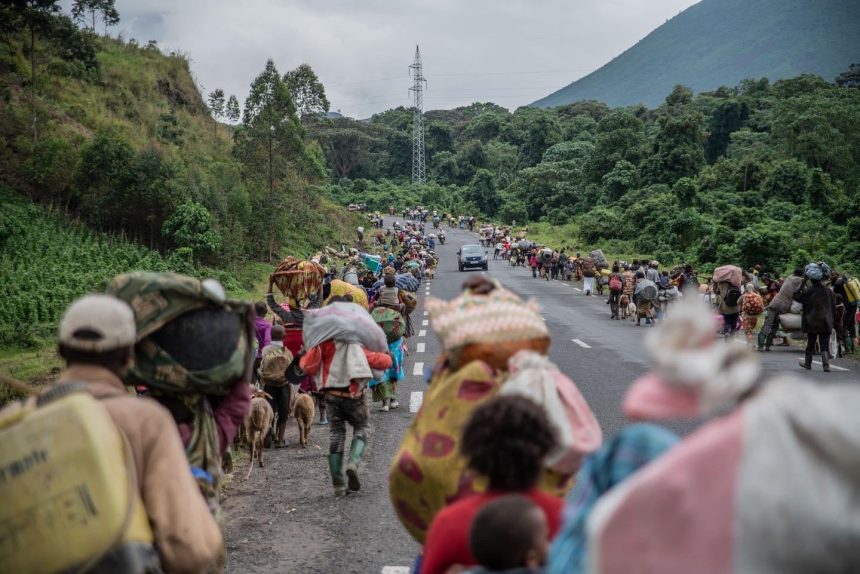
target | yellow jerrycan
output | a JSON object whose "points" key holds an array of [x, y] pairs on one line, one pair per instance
{"points": [[68, 486]]}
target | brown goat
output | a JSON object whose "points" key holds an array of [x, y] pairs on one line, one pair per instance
{"points": [[304, 414], [258, 423]]}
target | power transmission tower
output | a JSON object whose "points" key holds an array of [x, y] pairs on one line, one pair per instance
{"points": [[418, 170]]}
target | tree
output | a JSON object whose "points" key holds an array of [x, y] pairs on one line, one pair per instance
{"points": [[307, 91], [232, 110], [482, 192], [36, 16], [270, 146], [272, 132], [107, 8], [850, 78], [216, 106], [346, 143], [620, 180], [191, 226]]}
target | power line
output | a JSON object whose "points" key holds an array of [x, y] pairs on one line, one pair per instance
{"points": [[456, 74]]}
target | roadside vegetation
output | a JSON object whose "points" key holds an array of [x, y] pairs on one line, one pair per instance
{"points": [[111, 160], [757, 173]]}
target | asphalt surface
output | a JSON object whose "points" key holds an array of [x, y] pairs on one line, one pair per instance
{"points": [[284, 518]]}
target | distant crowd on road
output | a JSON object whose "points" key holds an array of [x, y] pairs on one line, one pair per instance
{"points": [[763, 305]]}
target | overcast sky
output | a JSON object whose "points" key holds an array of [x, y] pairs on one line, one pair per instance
{"points": [[510, 52]]}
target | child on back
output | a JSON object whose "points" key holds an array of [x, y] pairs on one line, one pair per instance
{"points": [[509, 535]]}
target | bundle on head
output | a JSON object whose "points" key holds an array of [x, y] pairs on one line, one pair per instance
{"points": [[191, 339], [488, 323]]}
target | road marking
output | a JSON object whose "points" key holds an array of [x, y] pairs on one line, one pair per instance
{"points": [[418, 369], [426, 313], [416, 399], [565, 284], [577, 289], [419, 348], [422, 332], [425, 322], [832, 366], [483, 273], [581, 344]]}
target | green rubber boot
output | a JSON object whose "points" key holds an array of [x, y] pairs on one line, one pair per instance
{"points": [[356, 453], [761, 340], [768, 341], [849, 344], [338, 480]]}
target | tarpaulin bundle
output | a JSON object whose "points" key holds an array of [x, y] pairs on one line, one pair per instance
{"points": [[372, 262], [298, 279], [404, 281], [344, 322], [731, 274]]}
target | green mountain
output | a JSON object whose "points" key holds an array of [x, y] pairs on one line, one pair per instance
{"points": [[722, 42]]}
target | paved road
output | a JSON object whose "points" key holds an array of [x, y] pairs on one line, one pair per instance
{"points": [[284, 519]]}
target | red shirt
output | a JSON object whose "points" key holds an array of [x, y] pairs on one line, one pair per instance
{"points": [[447, 542]]}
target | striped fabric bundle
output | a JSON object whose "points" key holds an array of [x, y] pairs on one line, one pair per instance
{"points": [[497, 317]]}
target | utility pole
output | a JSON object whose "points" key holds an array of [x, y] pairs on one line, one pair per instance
{"points": [[418, 170]]}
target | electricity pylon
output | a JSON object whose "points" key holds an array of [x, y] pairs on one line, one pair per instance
{"points": [[419, 174]]}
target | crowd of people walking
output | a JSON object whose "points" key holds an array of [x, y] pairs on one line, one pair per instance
{"points": [[505, 468]]}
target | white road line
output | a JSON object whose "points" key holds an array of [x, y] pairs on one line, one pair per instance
{"points": [[419, 348], [581, 344], [566, 285], [577, 289], [425, 322], [418, 369], [396, 569], [422, 333], [426, 313], [416, 398], [832, 366]]}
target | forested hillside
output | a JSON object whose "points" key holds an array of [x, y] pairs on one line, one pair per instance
{"points": [[758, 172], [722, 42], [110, 160]]}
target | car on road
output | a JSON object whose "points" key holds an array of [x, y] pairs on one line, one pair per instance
{"points": [[472, 256]]}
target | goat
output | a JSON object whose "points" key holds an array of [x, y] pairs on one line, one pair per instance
{"points": [[303, 411], [258, 423]]}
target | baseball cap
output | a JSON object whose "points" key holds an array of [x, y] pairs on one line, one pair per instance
{"points": [[98, 324]]}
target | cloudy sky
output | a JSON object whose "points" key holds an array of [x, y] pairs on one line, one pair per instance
{"points": [[511, 52]]}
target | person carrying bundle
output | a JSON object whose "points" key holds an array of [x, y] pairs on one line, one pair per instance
{"points": [[194, 351], [343, 348], [143, 511]]}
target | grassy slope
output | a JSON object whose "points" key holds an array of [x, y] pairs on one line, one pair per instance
{"points": [[722, 42], [54, 259]]}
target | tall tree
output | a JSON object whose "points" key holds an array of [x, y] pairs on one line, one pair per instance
{"points": [[216, 106], [307, 91], [232, 111], [36, 17], [110, 15], [107, 8], [271, 141]]}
